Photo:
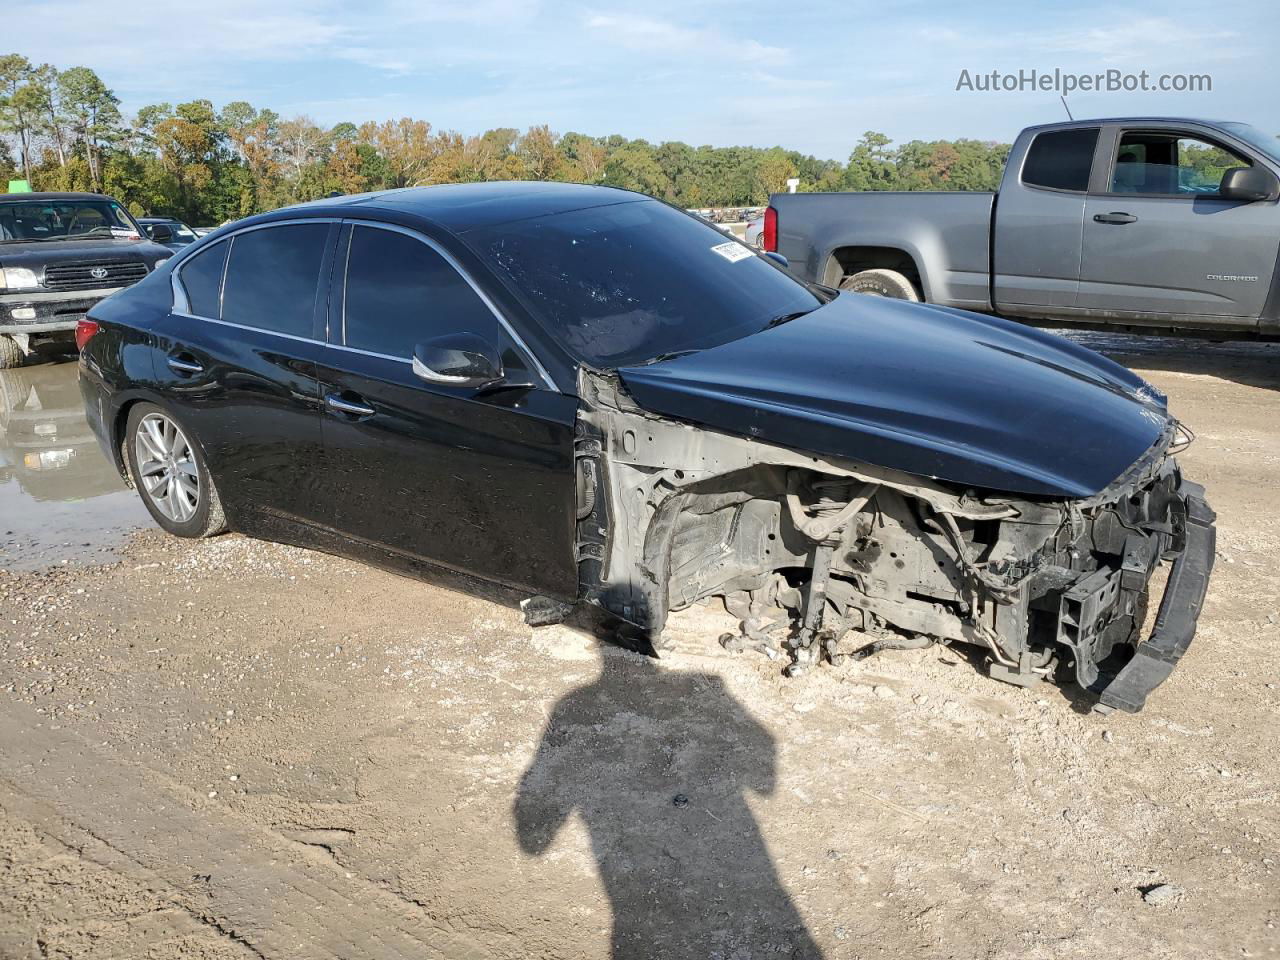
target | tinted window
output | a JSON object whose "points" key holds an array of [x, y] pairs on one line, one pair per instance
{"points": [[201, 278], [1061, 159], [1170, 163], [632, 281], [272, 278], [401, 292]]}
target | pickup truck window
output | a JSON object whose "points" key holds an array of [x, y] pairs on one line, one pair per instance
{"points": [[1163, 164], [1061, 159]]}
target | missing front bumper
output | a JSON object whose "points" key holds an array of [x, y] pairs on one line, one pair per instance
{"points": [[1154, 659]]}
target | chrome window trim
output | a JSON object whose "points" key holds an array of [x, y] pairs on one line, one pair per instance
{"points": [[242, 326], [461, 271]]}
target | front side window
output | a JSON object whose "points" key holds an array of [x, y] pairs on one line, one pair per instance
{"points": [[273, 275], [1061, 159], [201, 279], [400, 292], [1164, 164]]}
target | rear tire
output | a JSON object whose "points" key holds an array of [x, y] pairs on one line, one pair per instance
{"points": [[10, 353], [169, 471], [881, 283]]}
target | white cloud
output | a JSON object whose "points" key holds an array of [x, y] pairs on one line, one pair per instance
{"points": [[652, 36]]}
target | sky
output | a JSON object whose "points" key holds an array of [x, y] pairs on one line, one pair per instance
{"points": [[807, 76]]}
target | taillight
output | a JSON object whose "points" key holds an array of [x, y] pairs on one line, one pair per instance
{"points": [[85, 330], [771, 230]]}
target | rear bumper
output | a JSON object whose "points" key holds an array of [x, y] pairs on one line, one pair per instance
{"points": [[1154, 659], [50, 312]]}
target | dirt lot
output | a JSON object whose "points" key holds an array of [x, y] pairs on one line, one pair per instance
{"points": [[232, 749]]}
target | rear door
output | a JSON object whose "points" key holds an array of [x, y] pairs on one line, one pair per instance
{"points": [[1039, 221], [479, 482], [1160, 241], [238, 365]]}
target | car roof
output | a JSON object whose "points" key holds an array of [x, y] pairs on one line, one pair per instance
{"points": [[53, 196], [158, 220], [466, 206], [1127, 122]]}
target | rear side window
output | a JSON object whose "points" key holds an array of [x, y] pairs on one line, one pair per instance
{"points": [[400, 292], [272, 278], [201, 279], [1061, 159]]}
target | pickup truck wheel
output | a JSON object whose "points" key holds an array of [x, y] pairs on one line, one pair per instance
{"points": [[10, 353], [881, 283]]}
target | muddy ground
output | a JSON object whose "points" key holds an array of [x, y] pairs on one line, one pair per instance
{"points": [[232, 749]]}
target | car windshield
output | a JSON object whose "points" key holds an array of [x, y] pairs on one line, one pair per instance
{"points": [[1251, 135], [638, 281], [63, 220]]}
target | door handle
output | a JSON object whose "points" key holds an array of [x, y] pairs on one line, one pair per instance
{"points": [[1114, 217], [184, 368], [350, 409]]}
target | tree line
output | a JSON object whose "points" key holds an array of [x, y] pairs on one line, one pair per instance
{"points": [[64, 130]]}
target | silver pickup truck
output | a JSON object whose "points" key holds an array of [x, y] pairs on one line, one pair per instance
{"points": [[1148, 224]]}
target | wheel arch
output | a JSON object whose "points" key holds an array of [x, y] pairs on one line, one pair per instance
{"points": [[847, 260]]}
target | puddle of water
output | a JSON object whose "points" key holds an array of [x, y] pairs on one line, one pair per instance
{"points": [[60, 499]]}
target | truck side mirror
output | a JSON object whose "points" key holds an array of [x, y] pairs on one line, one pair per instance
{"points": [[1249, 184], [159, 232]]}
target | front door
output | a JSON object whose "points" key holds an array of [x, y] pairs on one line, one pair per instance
{"points": [[480, 482], [1159, 241]]}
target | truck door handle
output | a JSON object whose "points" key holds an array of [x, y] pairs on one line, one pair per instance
{"points": [[1115, 217], [347, 407], [184, 368]]}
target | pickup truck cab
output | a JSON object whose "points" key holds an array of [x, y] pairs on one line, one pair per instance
{"points": [[1144, 223], [60, 253]]}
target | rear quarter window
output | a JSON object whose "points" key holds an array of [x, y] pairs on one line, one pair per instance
{"points": [[201, 279], [1061, 159]]}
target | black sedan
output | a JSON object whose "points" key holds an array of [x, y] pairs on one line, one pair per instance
{"points": [[600, 401]]}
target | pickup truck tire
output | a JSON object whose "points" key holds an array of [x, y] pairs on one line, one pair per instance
{"points": [[10, 353], [881, 283]]}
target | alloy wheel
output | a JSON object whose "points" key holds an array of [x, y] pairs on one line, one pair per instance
{"points": [[166, 468]]}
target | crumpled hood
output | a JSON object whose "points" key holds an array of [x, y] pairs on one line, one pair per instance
{"points": [[961, 397]]}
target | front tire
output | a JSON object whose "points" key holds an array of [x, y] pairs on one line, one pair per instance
{"points": [[881, 283], [168, 468], [10, 353]]}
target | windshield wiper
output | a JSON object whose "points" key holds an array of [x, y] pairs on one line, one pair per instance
{"points": [[785, 318], [667, 356]]}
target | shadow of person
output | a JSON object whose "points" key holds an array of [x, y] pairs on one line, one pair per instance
{"points": [[657, 763]]}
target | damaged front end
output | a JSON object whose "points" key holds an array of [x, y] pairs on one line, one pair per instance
{"points": [[822, 558]]}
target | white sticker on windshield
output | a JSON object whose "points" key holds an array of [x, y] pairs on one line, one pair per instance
{"points": [[732, 251]]}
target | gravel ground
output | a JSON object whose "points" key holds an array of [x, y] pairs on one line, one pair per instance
{"points": [[233, 749]]}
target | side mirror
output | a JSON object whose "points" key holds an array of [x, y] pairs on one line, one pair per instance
{"points": [[458, 360], [159, 232], [1249, 184], [778, 258]]}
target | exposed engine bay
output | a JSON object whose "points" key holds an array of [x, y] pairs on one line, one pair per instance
{"points": [[822, 559]]}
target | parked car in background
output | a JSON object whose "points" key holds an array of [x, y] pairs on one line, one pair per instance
{"points": [[1140, 223], [754, 234], [594, 398], [60, 253], [168, 231]]}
